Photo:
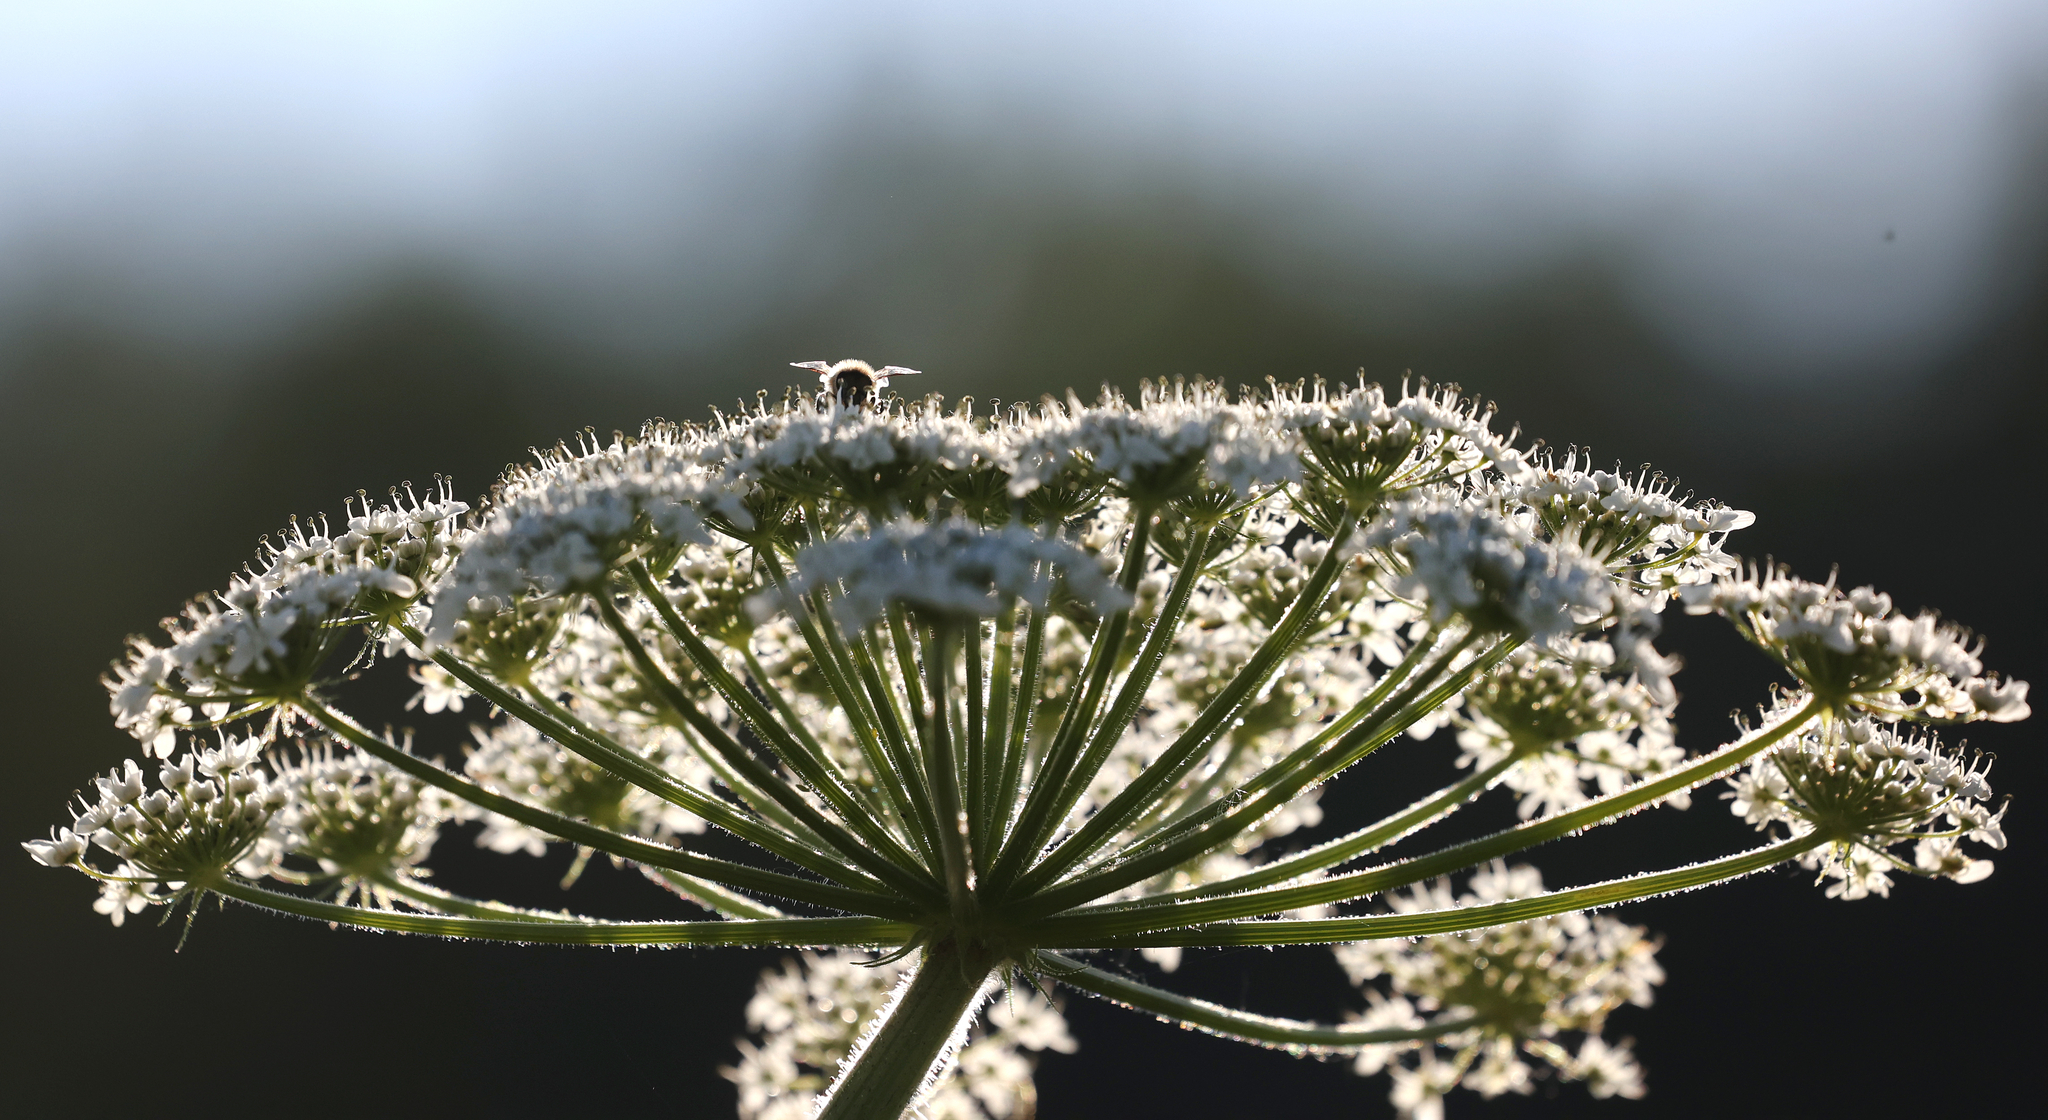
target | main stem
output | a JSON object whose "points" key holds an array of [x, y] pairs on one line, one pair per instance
{"points": [[886, 1074]]}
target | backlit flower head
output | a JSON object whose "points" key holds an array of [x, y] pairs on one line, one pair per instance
{"points": [[365, 825], [977, 687], [1856, 655], [884, 462], [1633, 523], [514, 759], [1572, 730], [1871, 791], [570, 521], [1467, 561], [262, 641], [1179, 438], [411, 538], [1363, 449], [1518, 987], [210, 808]]}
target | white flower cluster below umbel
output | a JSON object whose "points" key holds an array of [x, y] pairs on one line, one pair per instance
{"points": [[1520, 987], [1575, 729]]}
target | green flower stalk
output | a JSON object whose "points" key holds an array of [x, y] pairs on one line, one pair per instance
{"points": [[987, 693]]}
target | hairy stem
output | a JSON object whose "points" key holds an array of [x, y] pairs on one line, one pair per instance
{"points": [[1359, 884], [589, 835], [782, 931], [1333, 852], [1214, 1019], [906, 876], [883, 1077], [1094, 932], [1037, 821], [1155, 780], [817, 770]]}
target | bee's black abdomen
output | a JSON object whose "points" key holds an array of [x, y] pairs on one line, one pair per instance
{"points": [[854, 388]]}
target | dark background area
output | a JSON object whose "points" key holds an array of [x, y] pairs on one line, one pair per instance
{"points": [[142, 463]]}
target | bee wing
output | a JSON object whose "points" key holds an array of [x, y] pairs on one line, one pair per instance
{"points": [[821, 367], [894, 371]]}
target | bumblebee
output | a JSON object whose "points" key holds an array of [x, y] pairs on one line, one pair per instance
{"points": [[851, 382]]}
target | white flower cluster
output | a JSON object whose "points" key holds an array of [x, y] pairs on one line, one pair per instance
{"points": [[264, 638], [260, 642], [1176, 439], [884, 462], [1868, 790], [365, 825], [954, 569], [1516, 987], [210, 810], [567, 523], [1567, 726], [712, 586], [1465, 560], [1853, 652], [808, 1015], [1635, 523], [1366, 450]]}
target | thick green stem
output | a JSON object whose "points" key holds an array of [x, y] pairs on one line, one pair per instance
{"points": [[1010, 790], [942, 771], [975, 799], [878, 706], [753, 797], [778, 832], [996, 735], [1195, 801], [1130, 696], [887, 805], [926, 1022], [906, 660], [816, 769], [822, 633], [438, 899], [718, 900], [561, 725], [828, 649], [1207, 834]]}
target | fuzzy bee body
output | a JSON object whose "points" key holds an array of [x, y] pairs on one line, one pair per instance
{"points": [[851, 382]]}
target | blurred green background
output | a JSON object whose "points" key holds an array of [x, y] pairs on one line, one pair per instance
{"points": [[186, 358]]}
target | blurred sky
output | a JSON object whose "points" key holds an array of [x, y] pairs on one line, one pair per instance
{"points": [[1812, 186]]}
